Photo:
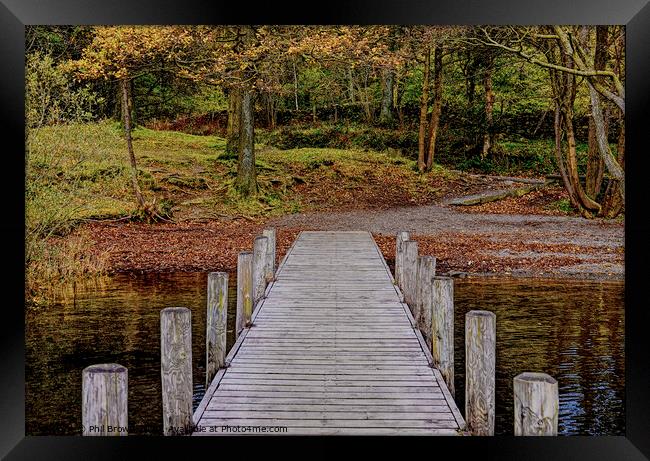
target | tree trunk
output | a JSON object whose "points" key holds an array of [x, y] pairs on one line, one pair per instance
{"points": [[126, 115], [470, 82], [489, 106], [234, 121], [613, 200], [559, 157], [564, 87], [595, 164], [386, 113], [133, 115], [351, 85], [437, 106], [246, 176], [613, 168], [587, 203], [295, 85], [424, 106], [270, 111], [399, 92], [366, 99]]}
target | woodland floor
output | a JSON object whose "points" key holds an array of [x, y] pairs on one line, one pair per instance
{"points": [[521, 236]]}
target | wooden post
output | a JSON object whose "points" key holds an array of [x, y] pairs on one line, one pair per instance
{"points": [[536, 404], [104, 400], [216, 321], [399, 253], [409, 271], [176, 370], [442, 328], [244, 291], [422, 309], [270, 254], [480, 360], [260, 248]]}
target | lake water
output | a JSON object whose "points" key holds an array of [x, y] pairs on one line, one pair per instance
{"points": [[572, 330]]}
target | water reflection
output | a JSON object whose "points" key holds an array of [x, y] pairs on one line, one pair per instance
{"points": [[118, 322], [571, 330]]}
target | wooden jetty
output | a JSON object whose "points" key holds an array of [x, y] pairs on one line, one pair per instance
{"points": [[332, 349]]}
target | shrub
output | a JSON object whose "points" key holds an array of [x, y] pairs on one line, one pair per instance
{"points": [[51, 97], [341, 137]]}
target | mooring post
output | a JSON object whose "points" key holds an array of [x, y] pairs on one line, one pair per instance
{"points": [[216, 321], [442, 328], [244, 291], [480, 361], [270, 254], [260, 248], [104, 400], [176, 370], [422, 309], [536, 404], [399, 258], [409, 271]]}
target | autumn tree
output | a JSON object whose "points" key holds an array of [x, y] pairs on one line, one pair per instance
{"points": [[360, 55], [428, 45], [574, 56], [244, 61], [121, 54]]}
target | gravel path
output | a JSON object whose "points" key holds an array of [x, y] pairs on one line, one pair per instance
{"points": [[597, 244]]}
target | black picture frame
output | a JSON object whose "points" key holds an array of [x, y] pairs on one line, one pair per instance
{"points": [[635, 14]]}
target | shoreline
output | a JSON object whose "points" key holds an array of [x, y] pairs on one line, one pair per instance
{"points": [[476, 245], [587, 277]]}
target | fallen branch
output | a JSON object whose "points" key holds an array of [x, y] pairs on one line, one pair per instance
{"points": [[479, 199]]}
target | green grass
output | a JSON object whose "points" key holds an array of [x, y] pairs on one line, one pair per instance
{"points": [[563, 205], [80, 172]]}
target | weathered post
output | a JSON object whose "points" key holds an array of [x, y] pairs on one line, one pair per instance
{"points": [[399, 253], [216, 324], [442, 328], [176, 370], [480, 360], [244, 291], [409, 271], [260, 248], [536, 404], [270, 254], [422, 309], [104, 400]]}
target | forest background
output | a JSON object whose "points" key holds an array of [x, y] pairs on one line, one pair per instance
{"points": [[174, 123]]}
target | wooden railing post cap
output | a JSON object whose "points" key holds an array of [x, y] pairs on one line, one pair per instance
{"points": [[477, 313], [529, 376], [105, 368], [172, 310]]}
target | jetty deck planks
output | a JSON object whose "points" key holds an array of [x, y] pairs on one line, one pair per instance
{"points": [[332, 351]]}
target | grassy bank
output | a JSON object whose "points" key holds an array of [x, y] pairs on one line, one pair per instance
{"points": [[87, 177], [79, 173]]}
